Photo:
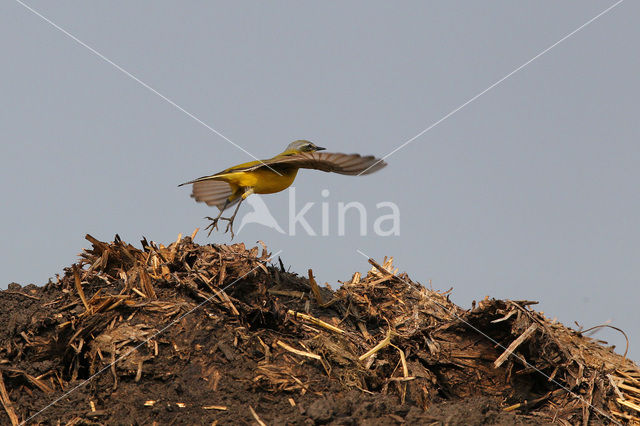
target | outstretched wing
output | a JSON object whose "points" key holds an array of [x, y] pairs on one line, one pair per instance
{"points": [[214, 193], [345, 164]]}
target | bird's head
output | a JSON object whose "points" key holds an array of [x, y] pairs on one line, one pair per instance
{"points": [[303, 146]]}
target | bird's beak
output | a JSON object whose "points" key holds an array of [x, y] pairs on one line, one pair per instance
{"points": [[319, 148]]}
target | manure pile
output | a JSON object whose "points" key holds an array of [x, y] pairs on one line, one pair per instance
{"points": [[216, 334]]}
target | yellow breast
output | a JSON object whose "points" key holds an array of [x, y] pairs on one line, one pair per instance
{"points": [[263, 180]]}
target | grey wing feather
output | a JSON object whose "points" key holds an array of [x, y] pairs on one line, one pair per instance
{"points": [[345, 164], [213, 193]]}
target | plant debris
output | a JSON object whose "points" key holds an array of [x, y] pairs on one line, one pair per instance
{"points": [[216, 334]]}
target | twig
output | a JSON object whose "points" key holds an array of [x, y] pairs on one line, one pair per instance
{"points": [[215, 407], [290, 293], [139, 372], [512, 347], [525, 404], [315, 288], [377, 347], [624, 415], [298, 351], [113, 367], [316, 321], [614, 385], [22, 294], [402, 379], [138, 292], [97, 243], [405, 373], [628, 404], [145, 280], [586, 407], [175, 247], [37, 382], [194, 233], [76, 277], [628, 377], [629, 388], [379, 280], [255, 416], [6, 402], [405, 370], [379, 268], [615, 328], [225, 299], [506, 317]]}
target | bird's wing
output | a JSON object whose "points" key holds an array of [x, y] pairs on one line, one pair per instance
{"points": [[213, 192], [345, 164]]}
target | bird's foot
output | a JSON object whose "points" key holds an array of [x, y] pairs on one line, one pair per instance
{"points": [[230, 225], [214, 224]]}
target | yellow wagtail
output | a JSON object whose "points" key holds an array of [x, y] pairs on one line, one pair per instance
{"points": [[236, 183]]}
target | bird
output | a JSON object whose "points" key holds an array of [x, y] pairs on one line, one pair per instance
{"points": [[233, 185]]}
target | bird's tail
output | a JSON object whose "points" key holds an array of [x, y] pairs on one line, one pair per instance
{"points": [[200, 179], [214, 192]]}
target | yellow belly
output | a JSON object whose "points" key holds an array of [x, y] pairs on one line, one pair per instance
{"points": [[263, 181]]}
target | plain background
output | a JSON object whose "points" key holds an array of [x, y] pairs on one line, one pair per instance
{"points": [[529, 192]]}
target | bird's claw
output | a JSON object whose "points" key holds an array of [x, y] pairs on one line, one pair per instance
{"points": [[214, 224], [230, 227]]}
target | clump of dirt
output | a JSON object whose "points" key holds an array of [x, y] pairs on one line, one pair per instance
{"points": [[215, 334]]}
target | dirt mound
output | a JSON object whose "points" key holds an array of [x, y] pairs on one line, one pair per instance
{"points": [[190, 334]]}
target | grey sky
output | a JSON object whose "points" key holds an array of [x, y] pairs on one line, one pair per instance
{"points": [[529, 192]]}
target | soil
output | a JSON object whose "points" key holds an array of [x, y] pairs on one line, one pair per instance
{"points": [[189, 334]]}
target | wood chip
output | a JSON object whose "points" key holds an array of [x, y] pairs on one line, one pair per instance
{"points": [[628, 404], [315, 288], [514, 345], [215, 407], [255, 416], [384, 343], [76, 276], [6, 403], [315, 321], [297, 351]]}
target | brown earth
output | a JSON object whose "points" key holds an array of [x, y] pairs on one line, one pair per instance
{"points": [[215, 334]]}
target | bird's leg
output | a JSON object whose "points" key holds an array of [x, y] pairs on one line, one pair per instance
{"points": [[214, 221], [231, 219], [235, 212]]}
